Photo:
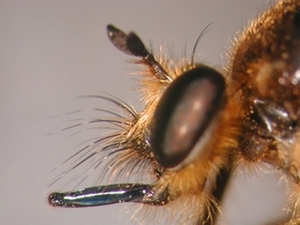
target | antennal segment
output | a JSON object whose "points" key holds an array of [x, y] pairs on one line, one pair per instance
{"points": [[131, 44]]}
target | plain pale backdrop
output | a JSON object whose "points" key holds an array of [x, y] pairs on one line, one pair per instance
{"points": [[54, 51]]}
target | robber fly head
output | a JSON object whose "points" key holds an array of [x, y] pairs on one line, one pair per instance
{"points": [[183, 134], [198, 122]]}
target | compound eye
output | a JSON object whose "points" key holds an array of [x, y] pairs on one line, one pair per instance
{"points": [[184, 114]]}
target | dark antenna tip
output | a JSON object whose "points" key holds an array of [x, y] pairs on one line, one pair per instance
{"points": [[131, 44], [118, 38]]}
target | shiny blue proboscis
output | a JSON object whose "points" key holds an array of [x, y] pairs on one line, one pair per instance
{"points": [[101, 195]]}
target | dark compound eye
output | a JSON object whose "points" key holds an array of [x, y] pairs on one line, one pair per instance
{"points": [[184, 113]]}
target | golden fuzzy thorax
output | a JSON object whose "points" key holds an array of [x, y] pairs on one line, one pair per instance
{"points": [[265, 61]]}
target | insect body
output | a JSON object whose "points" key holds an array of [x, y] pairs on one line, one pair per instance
{"points": [[198, 122]]}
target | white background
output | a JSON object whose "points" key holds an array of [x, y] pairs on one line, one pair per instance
{"points": [[54, 51]]}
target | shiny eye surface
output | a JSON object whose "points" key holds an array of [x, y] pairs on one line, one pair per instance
{"points": [[184, 114]]}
